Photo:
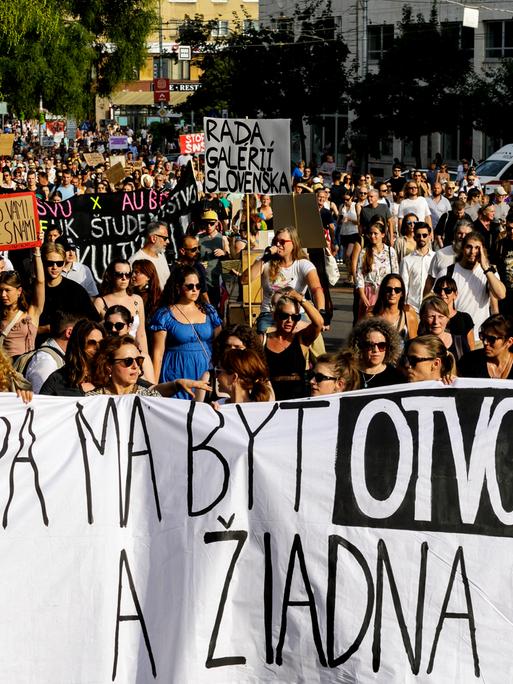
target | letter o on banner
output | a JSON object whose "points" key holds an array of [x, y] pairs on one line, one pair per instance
{"points": [[370, 506]]}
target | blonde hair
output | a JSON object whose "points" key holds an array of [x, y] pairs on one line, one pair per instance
{"points": [[297, 251]]}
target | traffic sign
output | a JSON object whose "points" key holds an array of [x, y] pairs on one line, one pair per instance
{"points": [[184, 53]]}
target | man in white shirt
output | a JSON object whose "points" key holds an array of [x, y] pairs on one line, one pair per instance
{"points": [[447, 255], [478, 283], [80, 273], [157, 238], [415, 267], [44, 362], [438, 204]]}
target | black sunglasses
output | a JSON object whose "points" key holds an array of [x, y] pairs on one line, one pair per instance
{"points": [[54, 263], [191, 249], [491, 339], [445, 290], [412, 360], [391, 290], [282, 316], [110, 326], [421, 235], [319, 377], [191, 286], [370, 345], [122, 275], [130, 360]]}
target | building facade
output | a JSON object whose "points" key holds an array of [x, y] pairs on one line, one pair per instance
{"points": [[367, 27]]}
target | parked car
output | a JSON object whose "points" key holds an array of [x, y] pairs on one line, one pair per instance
{"points": [[497, 169]]}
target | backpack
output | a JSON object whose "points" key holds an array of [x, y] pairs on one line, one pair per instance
{"points": [[22, 362]]}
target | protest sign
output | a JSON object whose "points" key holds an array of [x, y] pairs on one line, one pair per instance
{"points": [[247, 155], [117, 159], [93, 158], [310, 541], [110, 225], [6, 144], [115, 173], [19, 221], [192, 143], [118, 142], [300, 211]]}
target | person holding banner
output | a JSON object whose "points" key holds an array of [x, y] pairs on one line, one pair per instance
{"points": [[18, 319], [284, 264], [378, 346], [427, 358], [244, 376]]}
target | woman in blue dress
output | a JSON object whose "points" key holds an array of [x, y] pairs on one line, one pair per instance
{"points": [[184, 329]]}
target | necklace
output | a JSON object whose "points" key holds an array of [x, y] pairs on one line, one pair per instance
{"points": [[368, 378], [500, 370]]}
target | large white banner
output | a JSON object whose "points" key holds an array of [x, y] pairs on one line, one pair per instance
{"points": [[364, 538], [247, 155]]}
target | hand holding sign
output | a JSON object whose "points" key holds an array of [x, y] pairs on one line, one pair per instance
{"points": [[19, 222]]}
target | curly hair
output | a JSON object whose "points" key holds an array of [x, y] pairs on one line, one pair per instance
{"points": [[152, 292], [297, 251], [173, 289], [7, 373], [76, 359], [252, 372], [109, 277], [105, 357], [245, 333], [344, 364], [359, 335]]}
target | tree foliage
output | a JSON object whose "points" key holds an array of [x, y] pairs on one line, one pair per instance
{"points": [[68, 51], [292, 68], [415, 90], [489, 100]]}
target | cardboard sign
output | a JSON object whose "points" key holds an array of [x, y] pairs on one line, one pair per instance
{"points": [[300, 211], [19, 221], [6, 144], [116, 173], [247, 155], [93, 158], [117, 159], [118, 142], [192, 143]]}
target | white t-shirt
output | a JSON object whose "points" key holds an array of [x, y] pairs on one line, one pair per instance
{"points": [[418, 206], [348, 227], [293, 276], [441, 262], [159, 262]]}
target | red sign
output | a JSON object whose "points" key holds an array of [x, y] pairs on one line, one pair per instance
{"points": [[161, 90], [192, 143], [19, 221]]}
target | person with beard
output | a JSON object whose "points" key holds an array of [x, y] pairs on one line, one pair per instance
{"points": [[154, 248]]}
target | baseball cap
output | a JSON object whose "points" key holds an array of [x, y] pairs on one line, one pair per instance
{"points": [[209, 215], [499, 190]]}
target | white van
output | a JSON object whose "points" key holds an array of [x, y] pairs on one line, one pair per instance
{"points": [[496, 169]]}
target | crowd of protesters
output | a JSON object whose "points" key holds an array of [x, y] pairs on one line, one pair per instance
{"points": [[429, 260]]}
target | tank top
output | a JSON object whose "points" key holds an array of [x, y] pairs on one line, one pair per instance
{"points": [[287, 371]]}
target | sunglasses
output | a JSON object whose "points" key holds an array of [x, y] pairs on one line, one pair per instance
{"points": [[411, 223], [280, 242], [54, 263], [191, 249], [129, 361], [282, 316], [114, 326], [393, 290], [164, 237], [367, 346], [490, 339], [210, 223], [218, 371], [319, 377], [122, 275], [445, 290], [422, 236], [92, 343], [412, 360], [191, 287]]}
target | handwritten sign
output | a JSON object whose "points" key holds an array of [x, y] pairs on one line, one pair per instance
{"points": [[93, 158], [19, 221], [192, 143], [6, 144], [116, 173]]}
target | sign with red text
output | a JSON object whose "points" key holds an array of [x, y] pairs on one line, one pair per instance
{"points": [[192, 143], [19, 221], [161, 90]]}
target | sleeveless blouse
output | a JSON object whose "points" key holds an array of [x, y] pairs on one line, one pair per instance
{"points": [[21, 337]]}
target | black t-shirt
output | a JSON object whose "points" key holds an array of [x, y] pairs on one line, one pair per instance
{"points": [[390, 376], [69, 297], [367, 213], [337, 193], [473, 365]]}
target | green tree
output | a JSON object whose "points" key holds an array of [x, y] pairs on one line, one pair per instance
{"points": [[293, 68], [489, 99], [415, 90], [68, 52]]}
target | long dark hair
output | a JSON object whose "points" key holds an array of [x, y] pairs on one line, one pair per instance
{"points": [[380, 304], [12, 279], [76, 359], [109, 277], [151, 294], [173, 288], [251, 370]]}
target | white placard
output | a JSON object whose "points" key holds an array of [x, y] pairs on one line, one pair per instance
{"points": [[361, 538], [247, 155]]}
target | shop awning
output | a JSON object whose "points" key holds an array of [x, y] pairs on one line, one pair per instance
{"points": [[144, 98]]}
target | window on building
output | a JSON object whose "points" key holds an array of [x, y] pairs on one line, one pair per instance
{"points": [[498, 39], [379, 40], [462, 36], [221, 29], [175, 70], [250, 24]]}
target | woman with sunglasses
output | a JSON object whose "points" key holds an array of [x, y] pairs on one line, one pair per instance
{"points": [[284, 264], [287, 349], [374, 262], [495, 359], [74, 379], [19, 320], [405, 243], [145, 283], [427, 358], [184, 329], [377, 347], [115, 289], [334, 373], [414, 203], [391, 306], [118, 368], [117, 323], [460, 325]]}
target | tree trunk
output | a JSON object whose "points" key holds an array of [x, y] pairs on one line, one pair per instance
{"points": [[302, 138], [416, 151]]}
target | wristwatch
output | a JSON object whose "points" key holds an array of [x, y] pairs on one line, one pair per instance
{"points": [[490, 269]]}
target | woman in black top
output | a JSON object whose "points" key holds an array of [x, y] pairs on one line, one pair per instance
{"points": [[495, 359], [460, 325], [377, 346]]}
